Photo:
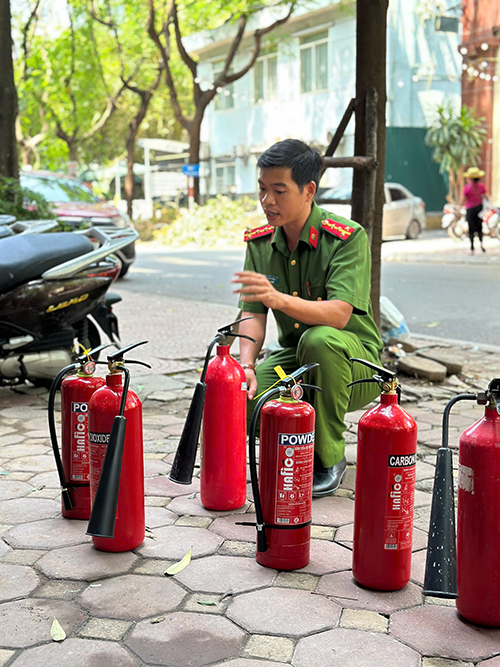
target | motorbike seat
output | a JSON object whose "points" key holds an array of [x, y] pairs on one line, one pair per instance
{"points": [[26, 257]]}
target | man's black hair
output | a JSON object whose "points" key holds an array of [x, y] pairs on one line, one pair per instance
{"points": [[304, 162]]}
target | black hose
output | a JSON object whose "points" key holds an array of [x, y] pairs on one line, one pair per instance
{"points": [[446, 413]]}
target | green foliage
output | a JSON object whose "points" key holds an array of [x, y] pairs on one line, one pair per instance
{"points": [[219, 223], [457, 139], [21, 202]]}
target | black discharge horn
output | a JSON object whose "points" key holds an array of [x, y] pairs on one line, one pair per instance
{"points": [[183, 465], [80, 362], [103, 516], [441, 565]]}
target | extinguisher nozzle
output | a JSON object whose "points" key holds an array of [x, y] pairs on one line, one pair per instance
{"points": [[66, 498], [103, 516], [441, 565], [261, 539], [183, 465]]}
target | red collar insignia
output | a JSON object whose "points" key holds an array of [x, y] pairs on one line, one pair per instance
{"points": [[313, 237], [337, 229], [252, 234]]}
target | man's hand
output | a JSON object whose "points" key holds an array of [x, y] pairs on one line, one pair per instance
{"points": [[256, 287], [251, 382]]}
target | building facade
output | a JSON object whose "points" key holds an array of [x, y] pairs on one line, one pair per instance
{"points": [[303, 81]]}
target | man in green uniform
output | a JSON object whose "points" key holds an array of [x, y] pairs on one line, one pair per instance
{"points": [[312, 268]]}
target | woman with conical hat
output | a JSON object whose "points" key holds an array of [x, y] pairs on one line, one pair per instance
{"points": [[472, 198]]}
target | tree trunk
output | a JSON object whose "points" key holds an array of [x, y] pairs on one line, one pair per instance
{"points": [[194, 149], [8, 98], [371, 30], [129, 176]]}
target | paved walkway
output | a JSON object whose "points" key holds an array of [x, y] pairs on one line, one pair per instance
{"points": [[120, 609]]}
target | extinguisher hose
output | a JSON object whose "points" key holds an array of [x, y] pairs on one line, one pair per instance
{"points": [[446, 413], [261, 533], [68, 504]]}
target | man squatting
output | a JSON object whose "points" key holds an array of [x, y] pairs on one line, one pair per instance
{"points": [[312, 268]]}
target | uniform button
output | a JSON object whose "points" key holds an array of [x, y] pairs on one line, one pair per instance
{"points": [[319, 299], [295, 294], [296, 325], [293, 262]]}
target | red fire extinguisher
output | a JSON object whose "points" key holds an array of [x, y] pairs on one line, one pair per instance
{"points": [[385, 489], [470, 568], [221, 397], [74, 468], [283, 487], [117, 520]]}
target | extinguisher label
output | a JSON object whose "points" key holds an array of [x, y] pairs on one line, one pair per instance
{"points": [[79, 469], [97, 453], [398, 524], [295, 472]]}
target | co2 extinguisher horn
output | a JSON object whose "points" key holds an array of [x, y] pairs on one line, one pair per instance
{"points": [[285, 386], [103, 516], [183, 465], [441, 565], [85, 363]]}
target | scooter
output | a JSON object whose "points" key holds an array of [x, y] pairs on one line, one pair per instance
{"points": [[456, 225], [53, 297]]}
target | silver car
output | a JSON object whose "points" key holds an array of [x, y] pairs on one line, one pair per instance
{"points": [[404, 213]]}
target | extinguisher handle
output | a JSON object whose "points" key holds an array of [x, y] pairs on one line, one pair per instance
{"points": [[238, 335], [85, 357], [385, 374], [302, 370], [226, 330], [141, 363], [118, 355], [363, 381], [310, 386]]}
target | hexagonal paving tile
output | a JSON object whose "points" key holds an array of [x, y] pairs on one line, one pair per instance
{"points": [[332, 511], [39, 463], [218, 574], [48, 534], [84, 562], [226, 526], [10, 490], [353, 648], [186, 640], [81, 652], [248, 662], [16, 581], [132, 597], [162, 486], [328, 557], [440, 631], [49, 479], [27, 622], [193, 507], [283, 611], [159, 516], [351, 595], [155, 468], [22, 510], [173, 542], [494, 662], [344, 535]]}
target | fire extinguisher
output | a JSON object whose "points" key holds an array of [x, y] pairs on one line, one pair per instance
{"points": [[468, 569], [117, 520], [282, 489], [385, 488], [73, 462], [221, 398]]}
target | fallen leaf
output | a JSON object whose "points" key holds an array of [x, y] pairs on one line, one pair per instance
{"points": [[207, 603], [157, 620], [56, 631], [431, 325], [178, 567]]}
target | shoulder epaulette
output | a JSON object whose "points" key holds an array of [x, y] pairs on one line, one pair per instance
{"points": [[337, 229], [252, 234]]}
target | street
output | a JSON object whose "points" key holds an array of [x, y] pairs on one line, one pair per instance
{"points": [[448, 300]]}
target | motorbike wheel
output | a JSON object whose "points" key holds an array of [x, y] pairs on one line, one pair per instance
{"points": [[453, 233], [88, 335]]}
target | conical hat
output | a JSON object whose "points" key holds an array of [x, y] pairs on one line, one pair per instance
{"points": [[474, 172]]}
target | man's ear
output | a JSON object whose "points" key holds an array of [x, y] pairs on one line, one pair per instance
{"points": [[310, 190]]}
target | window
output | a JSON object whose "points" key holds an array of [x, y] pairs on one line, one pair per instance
{"points": [[225, 178], [314, 62], [224, 99], [265, 78], [397, 194]]}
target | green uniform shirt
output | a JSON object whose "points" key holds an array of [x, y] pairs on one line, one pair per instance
{"points": [[324, 265]]}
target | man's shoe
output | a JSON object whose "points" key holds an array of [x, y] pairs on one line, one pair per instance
{"points": [[327, 480]]}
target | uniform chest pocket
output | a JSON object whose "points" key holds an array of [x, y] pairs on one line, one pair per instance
{"points": [[314, 292]]}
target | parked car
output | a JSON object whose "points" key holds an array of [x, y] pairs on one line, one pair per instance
{"points": [[404, 213], [76, 206]]}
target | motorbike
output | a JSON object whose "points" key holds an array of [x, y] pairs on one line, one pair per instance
{"points": [[456, 225], [54, 299], [10, 226]]}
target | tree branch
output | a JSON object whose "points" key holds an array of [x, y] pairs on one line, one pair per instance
{"points": [[93, 14], [186, 58], [25, 31]]}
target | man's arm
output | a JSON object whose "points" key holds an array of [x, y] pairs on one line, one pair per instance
{"points": [[255, 328], [256, 287]]}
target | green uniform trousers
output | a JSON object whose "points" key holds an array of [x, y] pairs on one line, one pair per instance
{"points": [[331, 349]]}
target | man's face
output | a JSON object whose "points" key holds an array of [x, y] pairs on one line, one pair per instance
{"points": [[281, 198]]}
